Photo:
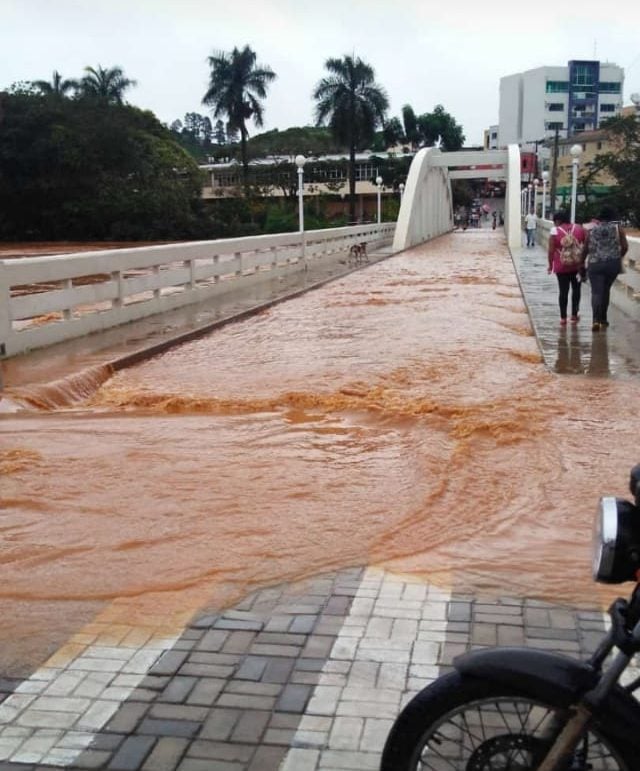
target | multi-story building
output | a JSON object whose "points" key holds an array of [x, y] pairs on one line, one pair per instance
{"points": [[536, 103]]}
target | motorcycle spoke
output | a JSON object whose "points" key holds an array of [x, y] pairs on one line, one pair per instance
{"points": [[502, 734]]}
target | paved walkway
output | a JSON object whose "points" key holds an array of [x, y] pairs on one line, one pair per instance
{"points": [[299, 677]]}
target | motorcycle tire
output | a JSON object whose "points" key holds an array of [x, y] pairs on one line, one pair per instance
{"points": [[462, 723]]}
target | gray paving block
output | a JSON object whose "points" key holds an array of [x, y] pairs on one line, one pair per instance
{"points": [[294, 698], [267, 759], [302, 624], [206, 691], [166, 754], [184, 728], [251, 726], [127, 717], [278, 670], [220, 723], [241, 753], [169, 663], [132, 753], [252, 668], [178, 689]]}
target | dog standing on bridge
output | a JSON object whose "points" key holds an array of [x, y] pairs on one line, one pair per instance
{"points": [[358, 253]]}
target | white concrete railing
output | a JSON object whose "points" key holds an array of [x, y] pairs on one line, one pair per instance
{"points": [[627, 286], [44, 300]]}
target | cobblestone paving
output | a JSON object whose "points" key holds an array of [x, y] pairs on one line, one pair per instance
{"points": [[301, 677]]}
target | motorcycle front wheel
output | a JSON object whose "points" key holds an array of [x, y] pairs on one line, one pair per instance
{"points": [[468, 724]]}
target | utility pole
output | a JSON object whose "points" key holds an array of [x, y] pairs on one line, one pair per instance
{"points": [[554, 171]]}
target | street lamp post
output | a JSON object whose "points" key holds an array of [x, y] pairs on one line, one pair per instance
{"points": [[576, 152], [529, 196], [545, 179], [536, 182], [300, 161], [401, 186], [379, 185]]}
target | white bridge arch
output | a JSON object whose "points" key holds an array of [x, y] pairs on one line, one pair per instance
{"points": [[426, 210]]}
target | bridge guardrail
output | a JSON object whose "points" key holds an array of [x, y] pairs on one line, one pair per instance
{"points": [[45, 300]]}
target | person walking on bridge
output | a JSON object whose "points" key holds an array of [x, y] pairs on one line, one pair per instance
{"points": [[530, 224], [606, 246], [565, 255]]}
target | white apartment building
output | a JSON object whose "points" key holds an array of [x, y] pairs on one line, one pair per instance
{"points": [[572, 99]]}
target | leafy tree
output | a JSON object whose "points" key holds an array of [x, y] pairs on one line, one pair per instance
{"points": [[219, 133], [236, 86], [439, 124], [176, 126], [57, 87], [105, 83], [623, 164], [353, 104], [393, 133], [410, 123], [86, 169]]}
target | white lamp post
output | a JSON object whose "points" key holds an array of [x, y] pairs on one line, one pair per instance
{"points": [[576, 152], [529, 196], [300, 161], [379, 185], [536, 182], [401, 186], [545, 179]]}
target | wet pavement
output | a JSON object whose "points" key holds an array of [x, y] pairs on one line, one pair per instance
{"points": [[303, 676], [575, 349]]}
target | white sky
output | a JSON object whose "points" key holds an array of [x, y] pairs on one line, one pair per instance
{"points": [[424, 53]]}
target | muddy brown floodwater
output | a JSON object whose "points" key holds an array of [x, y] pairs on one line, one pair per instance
{"points": [[399, 416]]}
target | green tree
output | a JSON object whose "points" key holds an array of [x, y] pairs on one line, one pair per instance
{"points": [[623, 164], [236, 86], [410, 123], [353, 105], [57, 87], [440, 125], [393, 133], [105, 83], [84, 169]]}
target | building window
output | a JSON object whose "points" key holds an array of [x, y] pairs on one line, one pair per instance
{"points": [[610, 88], [557, 86], [555, 107], [583, 75], [599, 146], [553, 125], [607, 108]]}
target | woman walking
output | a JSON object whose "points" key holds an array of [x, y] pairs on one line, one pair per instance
{"points": [[565, 255], [606, 246]]}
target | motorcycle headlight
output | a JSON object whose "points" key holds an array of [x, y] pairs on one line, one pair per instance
{"points": [[616, 541]]}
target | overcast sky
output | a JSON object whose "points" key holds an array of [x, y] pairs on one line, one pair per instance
{"points": [[423, 53]]}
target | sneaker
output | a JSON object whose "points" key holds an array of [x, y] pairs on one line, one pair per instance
{"points": [[595, 327], [563, 322], [574, 319]]}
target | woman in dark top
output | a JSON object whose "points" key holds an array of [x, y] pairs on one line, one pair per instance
{"points": [[606, 246]]}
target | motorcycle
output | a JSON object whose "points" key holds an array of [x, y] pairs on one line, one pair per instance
{"points": [[518, 709]]}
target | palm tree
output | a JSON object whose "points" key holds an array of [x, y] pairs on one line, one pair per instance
{"points": [[354, 105], [57, 87], [105, 83], [236, 86]]}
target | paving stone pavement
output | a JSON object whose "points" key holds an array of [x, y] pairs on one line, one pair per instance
{"points": [[300, 677]]}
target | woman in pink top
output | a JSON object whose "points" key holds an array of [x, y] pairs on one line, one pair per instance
{"points": [[566, 259]]}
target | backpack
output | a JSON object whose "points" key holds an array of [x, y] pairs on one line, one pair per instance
{"points": [[570, 248], [604, 242]]}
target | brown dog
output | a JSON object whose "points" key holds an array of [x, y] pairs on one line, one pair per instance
{"points": [[358, 253]]}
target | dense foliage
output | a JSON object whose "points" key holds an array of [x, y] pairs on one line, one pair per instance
{"points": [[86, 169], [623, 165]]}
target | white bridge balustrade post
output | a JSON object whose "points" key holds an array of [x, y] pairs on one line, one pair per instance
{"points": [[118, 301], [156, 272], [67, 313], [5, 318]]}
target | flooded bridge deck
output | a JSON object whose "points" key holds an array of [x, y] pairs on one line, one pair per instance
{"points": [[400, 417]]}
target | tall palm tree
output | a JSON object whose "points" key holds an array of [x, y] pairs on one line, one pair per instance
{"points": [[236, 86], [56, 87], [354, 105], [107, 83]]}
